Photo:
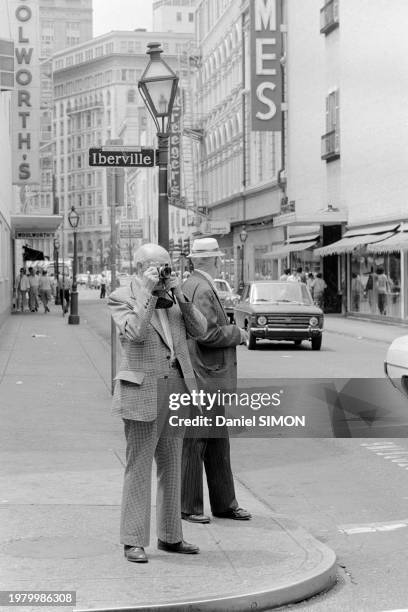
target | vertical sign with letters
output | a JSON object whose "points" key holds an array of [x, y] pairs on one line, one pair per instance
{"points": [[266, 77], [24, 18], [175, 150]]}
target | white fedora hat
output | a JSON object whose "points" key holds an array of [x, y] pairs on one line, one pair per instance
{"points": [[205, 247]]}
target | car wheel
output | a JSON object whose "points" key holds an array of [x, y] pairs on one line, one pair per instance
{"points": [[316, 343], [297, 342], [251, 342]]}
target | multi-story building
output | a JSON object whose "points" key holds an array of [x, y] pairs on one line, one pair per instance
{"points": [[346, 149], [63, 24], [174, 16], [96, 99], [6, 189], [239, 166]]}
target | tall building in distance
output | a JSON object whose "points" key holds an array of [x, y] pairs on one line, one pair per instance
{"points": [[96, 99], [174, 16], [63, 23]]}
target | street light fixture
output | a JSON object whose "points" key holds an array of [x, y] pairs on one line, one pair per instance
{"points": [[56, 269], [158, 88], [243, 235], [73, 318]]}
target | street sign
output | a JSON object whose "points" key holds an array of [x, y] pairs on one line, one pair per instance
{"points": [[142, 158], [129, 235]]}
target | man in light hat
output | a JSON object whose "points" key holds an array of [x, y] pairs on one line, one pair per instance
{"points": [[214, 360]]}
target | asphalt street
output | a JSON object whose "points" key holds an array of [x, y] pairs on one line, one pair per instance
{"points": [[349, 493]]}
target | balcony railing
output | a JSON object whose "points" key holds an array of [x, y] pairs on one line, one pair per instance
{"points": [[331, 145], [329, 17]]}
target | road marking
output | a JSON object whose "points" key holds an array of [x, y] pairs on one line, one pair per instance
{"points": [[389, 451], [373, 527]]}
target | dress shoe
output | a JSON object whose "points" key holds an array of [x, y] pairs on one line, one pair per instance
{"points": [[237, 514], [179, 547], [196, 518], [136, 554]]}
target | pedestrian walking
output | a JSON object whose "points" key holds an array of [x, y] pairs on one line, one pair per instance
{"points": [[34, 281], [103, 286], [285, 275], [309, 282], [44, 290], [383, 287], [22, 286], [64, 288], [356, 291], [153, 334], [214, 360], [319, 287]]}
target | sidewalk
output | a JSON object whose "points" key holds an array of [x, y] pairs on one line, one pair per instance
{"points": [[61, 479], [364, 328]]}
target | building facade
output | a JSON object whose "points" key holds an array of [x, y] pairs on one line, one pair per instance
{"points": [[174, 16], [96, 100], [239, 166]]}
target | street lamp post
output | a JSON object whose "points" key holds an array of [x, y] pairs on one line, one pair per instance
{"points": [[158, 87], [56, 270], [243, 235], [73, 318]]}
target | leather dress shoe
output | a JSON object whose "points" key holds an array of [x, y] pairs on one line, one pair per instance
{"points": [[196, 518], [136, 554], [237, 514], [178, 547]]}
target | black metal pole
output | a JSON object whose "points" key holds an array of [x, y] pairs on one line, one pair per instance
{"points": [[73, 318], [163, 220]]}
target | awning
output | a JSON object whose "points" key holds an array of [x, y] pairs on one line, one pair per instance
{"points": [[397, 242], [35, 226], [349, 243], [285, 250], [371, 229]]}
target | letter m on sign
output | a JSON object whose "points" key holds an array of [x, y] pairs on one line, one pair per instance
{"points": [[265, 15]]}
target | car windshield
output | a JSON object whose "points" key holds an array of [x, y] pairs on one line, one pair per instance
{"points": [[287, 292], [222, 285]]}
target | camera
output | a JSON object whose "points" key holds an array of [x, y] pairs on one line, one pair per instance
{"points": [[164, 271]]}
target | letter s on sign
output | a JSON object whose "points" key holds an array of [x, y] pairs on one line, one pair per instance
{"points": [[24, 171], [265, 100]]}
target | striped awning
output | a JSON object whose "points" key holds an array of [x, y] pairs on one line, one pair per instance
{"points": [[285, 250], [350, 243], [397, 242]]}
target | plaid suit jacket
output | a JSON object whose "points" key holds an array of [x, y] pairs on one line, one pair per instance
{"points": [[145, 355]]}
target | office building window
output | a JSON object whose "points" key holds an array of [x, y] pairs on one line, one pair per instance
{"points": [[191, 17], [178, 16]]}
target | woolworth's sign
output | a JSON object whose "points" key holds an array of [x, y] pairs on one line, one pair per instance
{"points": [[24, 20]]}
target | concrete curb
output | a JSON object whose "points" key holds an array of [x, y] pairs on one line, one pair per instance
{"points": [[320, 576]]}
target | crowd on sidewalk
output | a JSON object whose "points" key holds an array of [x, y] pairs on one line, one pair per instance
{"points": [[35, 287]]}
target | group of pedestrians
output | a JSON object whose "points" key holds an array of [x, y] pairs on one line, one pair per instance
{"points": [[179, 334], [33, 288], [315, 282]]}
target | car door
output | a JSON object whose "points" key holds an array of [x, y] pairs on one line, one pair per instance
{"points": [[242, 307]]}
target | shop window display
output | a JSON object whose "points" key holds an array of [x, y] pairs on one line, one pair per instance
{"points": [[375, 284]]}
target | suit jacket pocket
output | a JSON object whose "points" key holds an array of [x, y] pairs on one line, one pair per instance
{"points": [[130, 376]]}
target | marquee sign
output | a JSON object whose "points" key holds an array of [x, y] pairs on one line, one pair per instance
{"points": [[266, 50], [175, 149], [24, 19]]}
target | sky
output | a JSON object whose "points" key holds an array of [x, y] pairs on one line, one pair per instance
{"points": [[121, 15]]}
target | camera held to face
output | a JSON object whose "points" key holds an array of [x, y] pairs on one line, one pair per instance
{"points": [[164, 271]]}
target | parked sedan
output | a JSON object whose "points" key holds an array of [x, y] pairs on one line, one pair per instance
{"points": [[227, 297], [396, 364], [276, 310]]}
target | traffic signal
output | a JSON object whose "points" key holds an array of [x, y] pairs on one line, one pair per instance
{"points": [[171, 244], [186, 246]]}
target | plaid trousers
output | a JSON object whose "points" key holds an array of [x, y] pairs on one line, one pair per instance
{"points": [[143, 441]]}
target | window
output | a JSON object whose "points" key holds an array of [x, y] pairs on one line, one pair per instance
{"points": [[331, 140], [178, 16], [89, 54], [191, 17], [329, 17], [131, 97]]}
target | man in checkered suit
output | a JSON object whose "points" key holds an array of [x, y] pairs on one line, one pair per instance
{"points": [[153, 337]]}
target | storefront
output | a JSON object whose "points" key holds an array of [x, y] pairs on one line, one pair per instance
{"points": [[373, 260], [299, 252]]}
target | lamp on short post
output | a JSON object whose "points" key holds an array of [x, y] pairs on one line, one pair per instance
{"points": [[73, 319], [243, 235], [56, 270]]}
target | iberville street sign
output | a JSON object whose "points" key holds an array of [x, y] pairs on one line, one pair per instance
{"points": [[122, 158]]}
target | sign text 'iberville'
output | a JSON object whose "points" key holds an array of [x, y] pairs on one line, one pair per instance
{"points": [[124, 159]]}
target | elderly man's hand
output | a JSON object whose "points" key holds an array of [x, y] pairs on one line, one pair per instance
{"points": [[150, 279], [174, 283]]}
